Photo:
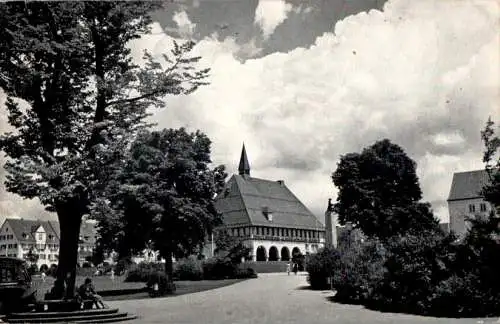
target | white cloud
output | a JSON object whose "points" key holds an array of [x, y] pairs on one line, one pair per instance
{"points": [[422, 73], [269, 14], [412, 73], [186, 27]]}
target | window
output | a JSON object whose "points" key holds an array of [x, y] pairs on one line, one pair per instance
{"points": [[40, 236], [472, 208], [482, 207]]}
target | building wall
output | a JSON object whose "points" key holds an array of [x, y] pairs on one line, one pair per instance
{"points": [[304, 247], [459, 210]]}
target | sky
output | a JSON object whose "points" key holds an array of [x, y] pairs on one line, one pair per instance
{"points": [[302, 83]]}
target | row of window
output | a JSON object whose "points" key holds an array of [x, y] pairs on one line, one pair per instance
{"points": [[8, 246], [472, 208], [42, 256], [272, 231], [6, 237]]}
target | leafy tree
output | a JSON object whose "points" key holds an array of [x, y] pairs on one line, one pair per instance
{"points": [[75, 99], [164, 193], [379, 192], [492, 148]]}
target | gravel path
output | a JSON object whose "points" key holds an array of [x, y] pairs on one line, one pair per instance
{"points": [[272, 298]]}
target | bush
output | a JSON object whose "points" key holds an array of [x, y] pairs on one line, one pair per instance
{"points": [[358, 271], [414, 266], [188, 269], [320, 267], [219, 268], [143, 271], [122, 265], [160, 278], [248, 273]]}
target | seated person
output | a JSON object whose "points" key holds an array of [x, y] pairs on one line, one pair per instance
{"points": [[87, 291]]}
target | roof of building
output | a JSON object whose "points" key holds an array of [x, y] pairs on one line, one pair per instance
{"points": [[24, 229], [246, 201], [468, 185]]}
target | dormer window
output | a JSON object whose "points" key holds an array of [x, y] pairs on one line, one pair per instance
{"points": [[267, 213], [25, 235]]}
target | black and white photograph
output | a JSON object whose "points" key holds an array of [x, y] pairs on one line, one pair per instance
{"points": [[250, 161]]}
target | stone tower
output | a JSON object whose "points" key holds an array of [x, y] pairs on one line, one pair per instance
{"points": [[330, 226]]}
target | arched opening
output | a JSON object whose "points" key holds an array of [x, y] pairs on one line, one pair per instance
{"points": [[295, 251], [261, 253], [285, 254], [273, 253], [44, 268]]}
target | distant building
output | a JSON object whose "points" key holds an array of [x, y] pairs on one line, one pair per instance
{"points": [[465, 199], [20, 236], [270, 219]]}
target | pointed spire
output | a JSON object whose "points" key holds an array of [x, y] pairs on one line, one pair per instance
{"points": [[244, 168]]}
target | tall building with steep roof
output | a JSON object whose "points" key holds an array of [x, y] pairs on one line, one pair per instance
{"points": [[273, 222], [465, 199]]}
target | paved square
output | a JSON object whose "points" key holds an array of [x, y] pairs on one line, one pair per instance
{"points": [[272, 298]]}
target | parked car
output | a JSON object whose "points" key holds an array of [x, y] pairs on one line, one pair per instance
{"points": [[16, 287]]}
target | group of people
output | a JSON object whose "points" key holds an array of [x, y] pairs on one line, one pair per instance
{"points": [[292, 267]]}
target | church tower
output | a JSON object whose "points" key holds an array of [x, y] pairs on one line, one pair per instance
{"points": [[244, 167], [330, 226]]}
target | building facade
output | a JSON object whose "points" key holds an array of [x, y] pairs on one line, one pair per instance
{"points": [[465, 199], [268, 217], [21, 237]]}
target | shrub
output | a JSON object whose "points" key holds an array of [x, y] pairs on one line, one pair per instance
{"points": [[219, 268], [160, 278], [414, 266], [188, 269], [143, 271], [320, 267], [358, 270], [122, 265], [245, 273]]}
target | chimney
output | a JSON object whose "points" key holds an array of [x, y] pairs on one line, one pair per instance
{"points": [[281, 182]]}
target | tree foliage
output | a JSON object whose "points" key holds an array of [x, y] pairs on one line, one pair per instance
{"points": [[492, 149], [75, 98], [379, 192], [164, 192]]}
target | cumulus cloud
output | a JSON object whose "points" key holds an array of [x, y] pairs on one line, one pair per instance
{"points": [[186, 27], [271, 13], [423, 74]]}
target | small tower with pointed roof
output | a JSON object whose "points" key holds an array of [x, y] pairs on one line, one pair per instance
{"points": [[244, 167]]}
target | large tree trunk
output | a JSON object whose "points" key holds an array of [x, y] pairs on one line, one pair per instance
{"points": [[69, 221], [169, 267]]}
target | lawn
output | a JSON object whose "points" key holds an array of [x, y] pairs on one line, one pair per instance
{"points": [[118, 289]]}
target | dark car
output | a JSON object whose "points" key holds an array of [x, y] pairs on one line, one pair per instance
{"points": [[16, 288]]}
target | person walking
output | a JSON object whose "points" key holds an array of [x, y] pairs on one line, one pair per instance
{"points": [[295, 268], [288, 267]]}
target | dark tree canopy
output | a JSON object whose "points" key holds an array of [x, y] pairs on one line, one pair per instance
{"points": [[379, 192], [164, 193], [492, 151], [84, 99]]}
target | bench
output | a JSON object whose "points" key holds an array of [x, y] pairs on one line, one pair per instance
{"points": [[64, 305]]}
